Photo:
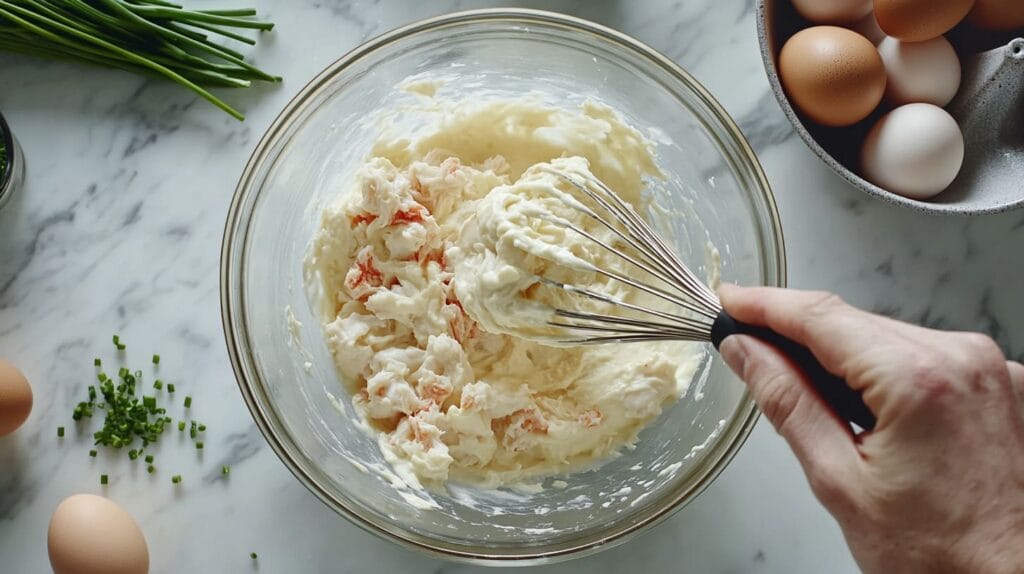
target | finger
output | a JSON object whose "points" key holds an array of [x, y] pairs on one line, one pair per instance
{"points": [[1016, 374], [1016, 371], [821, 441], [836, 333]]}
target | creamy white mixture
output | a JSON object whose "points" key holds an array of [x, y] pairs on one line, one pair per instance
{"points": [[430, 263]]}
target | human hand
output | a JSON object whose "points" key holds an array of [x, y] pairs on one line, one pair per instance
{"points": [[938, 486]]}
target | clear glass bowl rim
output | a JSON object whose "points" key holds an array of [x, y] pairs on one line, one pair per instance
{"points": [[232, 268]]}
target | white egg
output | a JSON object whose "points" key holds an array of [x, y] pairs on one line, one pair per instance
{"points": [[832, 11], [915, 150], [920, 72]]}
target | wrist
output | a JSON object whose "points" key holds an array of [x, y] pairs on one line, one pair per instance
{"points": [[996, 550]]}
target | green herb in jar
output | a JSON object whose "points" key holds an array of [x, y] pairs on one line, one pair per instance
{"points": [[3, 155]]}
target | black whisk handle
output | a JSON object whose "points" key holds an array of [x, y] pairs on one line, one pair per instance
{"points": [[846, 402]]}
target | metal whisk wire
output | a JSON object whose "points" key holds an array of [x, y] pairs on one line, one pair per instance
{"points": [[652, 256], [701, 318]]}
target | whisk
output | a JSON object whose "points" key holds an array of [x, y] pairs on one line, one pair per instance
{"points": [[698, 313]]}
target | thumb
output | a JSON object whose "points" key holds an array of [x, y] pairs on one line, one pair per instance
{"points": [[821, 441]]}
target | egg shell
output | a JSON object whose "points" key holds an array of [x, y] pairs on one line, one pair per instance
{"points": [[915, 150], [926, 72], [832, 11], [868, 27], [91, 534], [15, 398], [920, 20], [998, 14], [832, 75]]}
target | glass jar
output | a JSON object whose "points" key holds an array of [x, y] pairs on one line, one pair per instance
{"points": [[12, 160]]}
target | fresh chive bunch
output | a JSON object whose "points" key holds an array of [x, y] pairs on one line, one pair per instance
{"points": [[152, 37]]}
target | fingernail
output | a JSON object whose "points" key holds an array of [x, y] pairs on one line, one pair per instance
{"points": [[734, 353]]}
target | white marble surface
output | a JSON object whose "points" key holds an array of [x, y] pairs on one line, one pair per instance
{"points": [[119, 227]]}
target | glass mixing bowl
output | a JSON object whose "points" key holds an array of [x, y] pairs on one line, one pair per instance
{"points": [[283, 366]]}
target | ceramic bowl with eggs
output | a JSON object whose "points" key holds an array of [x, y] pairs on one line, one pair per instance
{"points": [[917, 102]]}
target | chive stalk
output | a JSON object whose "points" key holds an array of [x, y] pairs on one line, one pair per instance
{"points": [[141, 36]]}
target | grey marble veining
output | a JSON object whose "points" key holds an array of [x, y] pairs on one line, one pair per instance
{"points": [[118, 230]]}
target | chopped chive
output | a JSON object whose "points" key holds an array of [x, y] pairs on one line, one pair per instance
{"points": [[253, 555], [130, 416], [181, 425], [170, 387], [60, 432], [225, 470], [104, 479], [150, 469], [199, 445], [188, 402], [176, 479]]}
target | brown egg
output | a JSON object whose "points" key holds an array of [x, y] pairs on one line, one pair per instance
{"points": [[832, 75], [920, 20], [998, 14], [90, 534], [15, 398]]}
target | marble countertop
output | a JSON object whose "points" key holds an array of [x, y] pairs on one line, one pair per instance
{"points": [[113, 234]]}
